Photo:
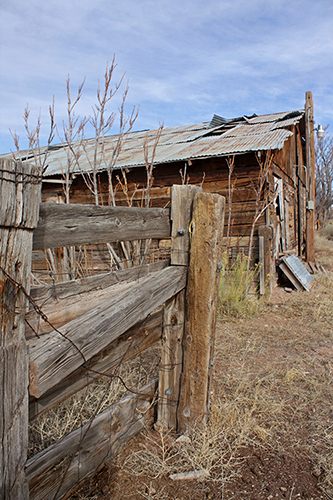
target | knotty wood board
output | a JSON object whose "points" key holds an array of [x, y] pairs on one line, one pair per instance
{"points": [[136, 340], [63, 311], [89, 446], [52, 357], [62, 224]]}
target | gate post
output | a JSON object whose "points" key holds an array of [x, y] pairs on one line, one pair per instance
{"points": [[174, 310], [20, 194], [201, 309]]}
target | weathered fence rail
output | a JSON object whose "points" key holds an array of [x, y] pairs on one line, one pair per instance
{"points": [[64, 225], [95, 323]]}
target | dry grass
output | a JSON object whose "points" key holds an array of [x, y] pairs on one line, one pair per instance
{"points": [[327, 231], [273, 386], [81, 407], [204, 450], [237, 289]]}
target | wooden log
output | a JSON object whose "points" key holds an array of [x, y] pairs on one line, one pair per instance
{"points": [[63, 302], [181, 211], [53, 472], [201, 307], [136, 340], [63, 225], [171, 361], [20, 197], [53, 357]]}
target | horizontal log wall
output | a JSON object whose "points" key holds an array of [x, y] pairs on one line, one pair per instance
{"points": [[213, 172]]}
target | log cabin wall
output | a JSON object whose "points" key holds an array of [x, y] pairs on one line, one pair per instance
{"points": [[211, 173]]}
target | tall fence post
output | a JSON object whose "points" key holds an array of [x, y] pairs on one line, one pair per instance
{"points": [[174, 310], [201, 309], [20, 198]]}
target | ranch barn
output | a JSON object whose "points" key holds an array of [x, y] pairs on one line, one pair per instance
{"points": [[263, 165]]}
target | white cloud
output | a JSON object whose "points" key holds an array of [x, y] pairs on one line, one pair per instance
{"points": [[185, 60]]}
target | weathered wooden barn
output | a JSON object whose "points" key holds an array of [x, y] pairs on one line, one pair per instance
{"points": [[263, 165]]}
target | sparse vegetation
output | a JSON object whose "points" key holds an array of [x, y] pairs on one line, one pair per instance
{"points": [[236, 299], [327, 231], [73, 413]]}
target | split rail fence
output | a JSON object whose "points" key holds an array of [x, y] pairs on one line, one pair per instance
{"points": [[88, 326]]}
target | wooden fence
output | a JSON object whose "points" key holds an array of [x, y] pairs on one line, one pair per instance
{"points": [[88, 326]]}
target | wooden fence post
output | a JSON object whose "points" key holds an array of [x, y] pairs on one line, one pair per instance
{"points": [[174, 310], [265, 258], [311, 178], [201, 309], [20, 198]]}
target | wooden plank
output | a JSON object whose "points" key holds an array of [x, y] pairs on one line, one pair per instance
{"points": [[136, 340], [262, 266], [20, 196], [55, 471], [65, 225], [181, 213], [67, 289], [52, 357], [171, 362], [65, 310], [201, 307], [63, 302]]}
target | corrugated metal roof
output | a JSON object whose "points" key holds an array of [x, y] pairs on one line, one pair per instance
{"points": [[228, 136]]}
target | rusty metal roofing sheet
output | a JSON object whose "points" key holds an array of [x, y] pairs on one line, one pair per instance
{"points": [[186, 142], [277, 116]]}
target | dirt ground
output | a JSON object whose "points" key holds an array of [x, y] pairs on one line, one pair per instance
{"points": [[270, 434]]}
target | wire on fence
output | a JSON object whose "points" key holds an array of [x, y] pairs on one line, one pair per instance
{"points": [[21, 177]]}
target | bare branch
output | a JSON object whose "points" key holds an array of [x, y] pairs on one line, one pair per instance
{"points": [[261, 202], [149, 161]]}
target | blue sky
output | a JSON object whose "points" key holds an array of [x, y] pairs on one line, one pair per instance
{"points": [[185, 59]]}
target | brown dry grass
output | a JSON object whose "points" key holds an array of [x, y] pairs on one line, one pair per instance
{"points": [[273, 381], [73, 413]]}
